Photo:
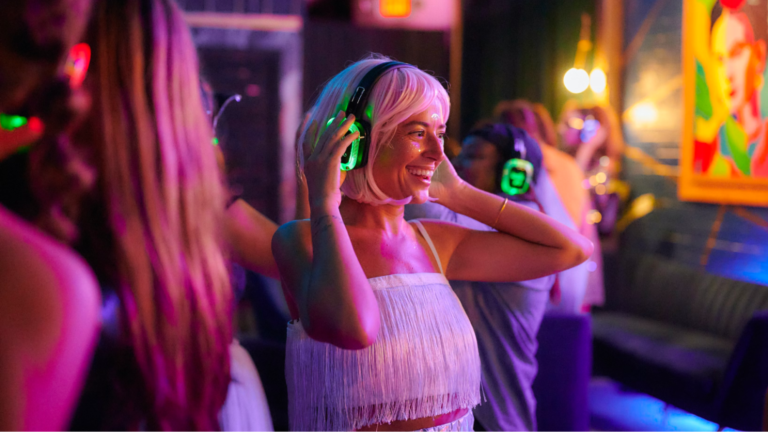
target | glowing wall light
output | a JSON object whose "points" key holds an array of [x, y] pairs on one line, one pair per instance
{"points": [[576, 80], [395, 8], [643, 113], [597, 80]]}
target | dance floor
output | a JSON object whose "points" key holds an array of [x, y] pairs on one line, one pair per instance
{"points": [[615, 408]]}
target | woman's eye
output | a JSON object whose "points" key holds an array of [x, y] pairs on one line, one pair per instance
{"points": [[419, 134]]}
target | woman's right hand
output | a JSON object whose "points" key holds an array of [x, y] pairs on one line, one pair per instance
{"points": [[322, 168]]}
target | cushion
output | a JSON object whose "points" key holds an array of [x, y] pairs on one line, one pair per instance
{"points": [[678, 365]]}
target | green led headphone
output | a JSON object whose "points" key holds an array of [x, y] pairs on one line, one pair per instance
{"points": [[517, 175], [12, 122], [356, 155]]}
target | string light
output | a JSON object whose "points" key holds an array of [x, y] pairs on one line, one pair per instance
{"points": [[576, 80], [597, 80], [643, 113], [594, 217]]}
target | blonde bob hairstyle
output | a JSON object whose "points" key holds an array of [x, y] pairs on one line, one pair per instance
{"points": [[398, 94]]}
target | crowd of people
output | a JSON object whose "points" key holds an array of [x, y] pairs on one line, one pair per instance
{"points": [[415, 284]]}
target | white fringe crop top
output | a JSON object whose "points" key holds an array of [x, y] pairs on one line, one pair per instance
{"points": [[424, 362]]}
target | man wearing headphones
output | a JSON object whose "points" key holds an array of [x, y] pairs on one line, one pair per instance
{"points": [[505, 160]]}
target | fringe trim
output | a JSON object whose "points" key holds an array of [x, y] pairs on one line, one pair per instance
{"points": [[424, 363]]}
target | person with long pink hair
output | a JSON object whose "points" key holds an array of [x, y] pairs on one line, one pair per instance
{"points": [[150, 228], [379, 340]]}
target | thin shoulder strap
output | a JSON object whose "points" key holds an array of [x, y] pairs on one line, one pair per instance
{"points": [[429, 242]]}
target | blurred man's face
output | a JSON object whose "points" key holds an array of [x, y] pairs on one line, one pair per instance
{"points": [[477, 163], [35, 37], [739, 61]]}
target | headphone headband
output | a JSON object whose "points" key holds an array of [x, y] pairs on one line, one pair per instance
{"points": [[359, 98]]}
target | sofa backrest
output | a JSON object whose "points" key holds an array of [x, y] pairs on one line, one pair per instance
{"points": [[663, 290]]}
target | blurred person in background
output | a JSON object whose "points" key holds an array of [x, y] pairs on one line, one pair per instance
{"points": [[568, 179], [505, 316], [248, 235], [359, 281], [592, 135], [590, 132], [562, 169], [49, 298], [151, 228]]}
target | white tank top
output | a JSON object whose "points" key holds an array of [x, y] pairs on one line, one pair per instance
{"points": [[424, 362]]}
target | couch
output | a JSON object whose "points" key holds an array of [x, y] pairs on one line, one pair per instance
{"points": [[694, 340]]}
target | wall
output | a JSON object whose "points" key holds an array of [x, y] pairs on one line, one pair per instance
{"points": [[682, 231], [264, 66], [332, 45], [518, 49]]}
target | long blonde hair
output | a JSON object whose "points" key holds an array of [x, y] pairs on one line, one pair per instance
{"points": [[150, 230]]}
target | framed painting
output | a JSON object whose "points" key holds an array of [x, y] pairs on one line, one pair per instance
{"points": [[724, 151]]}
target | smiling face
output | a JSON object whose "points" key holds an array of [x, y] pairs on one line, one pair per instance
{"points": [[404, 168], [477, 163]]}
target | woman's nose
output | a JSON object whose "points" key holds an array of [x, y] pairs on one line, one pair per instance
{"points": [[433, 147]]}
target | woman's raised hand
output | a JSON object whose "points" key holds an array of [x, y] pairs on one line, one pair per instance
{"points": [[322, 167], [445, 182]]}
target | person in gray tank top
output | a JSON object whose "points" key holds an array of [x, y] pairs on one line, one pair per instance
{"points": [[505, 316]]}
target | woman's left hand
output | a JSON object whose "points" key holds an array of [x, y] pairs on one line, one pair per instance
{"points": [[445, 182]]}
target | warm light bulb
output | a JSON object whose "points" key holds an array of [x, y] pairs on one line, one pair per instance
{"points": [[395, 8], [643, 114], [576, 80], [597, 80]]}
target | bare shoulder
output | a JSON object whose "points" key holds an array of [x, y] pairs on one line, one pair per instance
{"points": [[444, 234], [43, 283], [437, 225]]}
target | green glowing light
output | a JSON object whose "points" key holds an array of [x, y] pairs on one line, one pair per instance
{"points": [[11, 122], [516, 177], [215, 141]]}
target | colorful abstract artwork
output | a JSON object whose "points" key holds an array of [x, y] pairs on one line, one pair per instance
{"points": [[724, 152]]}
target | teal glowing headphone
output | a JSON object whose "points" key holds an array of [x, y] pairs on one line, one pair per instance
{"points": [[517, 174], [356, 155]]}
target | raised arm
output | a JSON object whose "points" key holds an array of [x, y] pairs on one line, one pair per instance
{"points": [[249, 235], [318, 265], [528, 244]]}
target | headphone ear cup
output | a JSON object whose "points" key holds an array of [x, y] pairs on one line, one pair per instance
{"points": [[516, 177]]}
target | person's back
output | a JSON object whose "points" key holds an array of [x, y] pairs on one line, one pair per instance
{"points": [[48, 324], [568, 180], [48, 297]]}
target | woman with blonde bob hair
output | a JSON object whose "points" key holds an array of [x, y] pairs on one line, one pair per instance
{"points": [[379, 340], [150, 229]]}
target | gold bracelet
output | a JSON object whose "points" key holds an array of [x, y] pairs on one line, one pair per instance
{"points": [[499, 215]]}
